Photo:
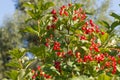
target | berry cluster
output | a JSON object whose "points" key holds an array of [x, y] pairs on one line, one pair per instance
{"points": [[107, 62], [57, 66], [89, 34], [40, 74], [56, 46]]}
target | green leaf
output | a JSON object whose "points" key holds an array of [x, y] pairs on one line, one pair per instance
{"points": [[84, 48], [103, 77], [104, 37], [31, 13], [118, 68], [40, 4], [89, 13], [21, 74], [16, 53], [115, 16], [77, 6], [54, 70], [31, 30], [82, 77], [12, 74], [114, 24], [104, 23], [48, 5], [38, 51], [14, 63], [29, 5]]}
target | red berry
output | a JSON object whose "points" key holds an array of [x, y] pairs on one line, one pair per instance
{"points": [[38, 68], [74, 18], [54, 19], [66, 13], [48, 27], [53, 12], [47, 44], [107, 64], [83, 38], [102, 33], [77, 54], [61, 12], [79, 60], [53, 26], [63, 7], [69, 4], [70, 52], [33, 77], [96, 49], [41, 73], [33, 71]]}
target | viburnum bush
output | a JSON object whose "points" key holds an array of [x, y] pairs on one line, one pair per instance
{"points": [[70, 46]]}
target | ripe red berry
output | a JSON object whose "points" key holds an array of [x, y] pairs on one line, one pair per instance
{"points": [[56, 46], [83, 38], [74, 18], [96, 49], [66, 13], [77, 54], [48, 27], [63, 7], [41, 73], [69, 4], [70, 52], [38, 68], [79, 60], [33, 77], [47, 44], [102, 33], [57, 66], [54, 18], [53, 12], [53, 26], [107, 64], [33, 71]]}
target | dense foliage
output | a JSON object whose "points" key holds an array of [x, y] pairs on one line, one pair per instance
{"points": [[69, 46]]}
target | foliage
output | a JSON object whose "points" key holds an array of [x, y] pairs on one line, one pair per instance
{"points": [[71, 46], [9, 39]]}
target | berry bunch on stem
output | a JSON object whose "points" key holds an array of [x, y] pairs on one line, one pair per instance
{"points": [[74, 44]]}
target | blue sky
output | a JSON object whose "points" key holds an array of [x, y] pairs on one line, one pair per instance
{"points": [[7, 8]]}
